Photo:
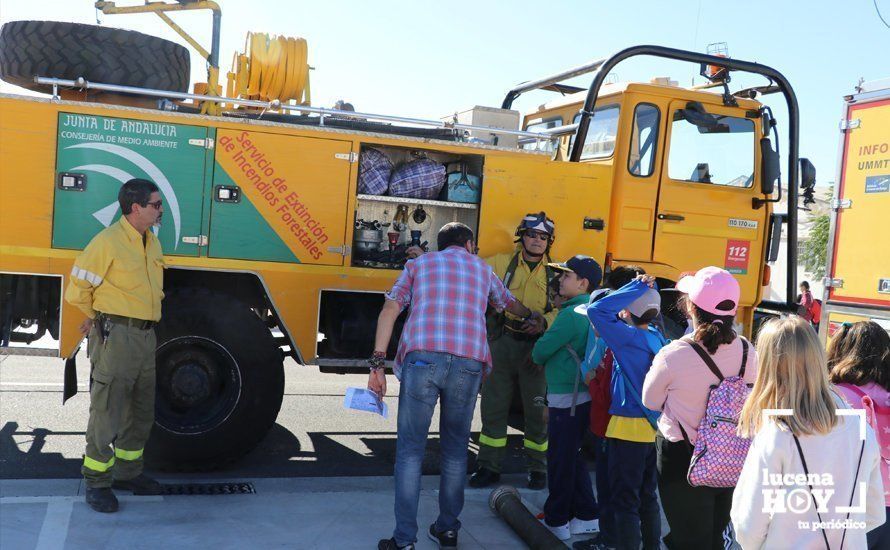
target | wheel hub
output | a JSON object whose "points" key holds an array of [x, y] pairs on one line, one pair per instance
{"points": [[190, 384], [198, 385]]}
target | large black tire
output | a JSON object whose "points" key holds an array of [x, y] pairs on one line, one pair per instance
{"points": [[98, 54], [220, 381]]}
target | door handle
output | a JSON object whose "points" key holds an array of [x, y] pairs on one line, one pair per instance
{"points": [[671, 217], [596, 224], [228, 193]]}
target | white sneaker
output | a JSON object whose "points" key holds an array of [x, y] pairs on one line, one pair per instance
{"points": [[584, 527], [562, 532]]}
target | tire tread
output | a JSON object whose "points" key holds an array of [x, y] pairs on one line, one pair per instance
{"points": [[202, 312], [99, 54]]}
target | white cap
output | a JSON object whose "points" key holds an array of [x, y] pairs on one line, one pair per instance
{"points": [[650, 300], [594, 296]]}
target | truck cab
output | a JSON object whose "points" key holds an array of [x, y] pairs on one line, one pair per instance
{"points": [[685, 171]]}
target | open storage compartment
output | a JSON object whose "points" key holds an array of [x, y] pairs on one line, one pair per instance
{"points": [[405, 196]]}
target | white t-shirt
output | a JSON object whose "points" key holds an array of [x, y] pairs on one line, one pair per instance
{"points": [[564, 400], [773, 465]]}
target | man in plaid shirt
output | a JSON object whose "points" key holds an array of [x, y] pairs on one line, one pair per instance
{"points": [[443, 352]]}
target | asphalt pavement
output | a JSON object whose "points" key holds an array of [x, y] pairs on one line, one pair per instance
{"points": [[318, 512], [322, 477], [313, 436]]}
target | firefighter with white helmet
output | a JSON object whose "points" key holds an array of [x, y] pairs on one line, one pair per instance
{"points": [[525, 272]]}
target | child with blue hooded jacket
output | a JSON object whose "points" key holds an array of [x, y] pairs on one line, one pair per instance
{"points": [[623, 320]]}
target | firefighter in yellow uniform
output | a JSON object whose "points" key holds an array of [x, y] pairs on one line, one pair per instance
{"points": [[117, 282], [525, 272]]}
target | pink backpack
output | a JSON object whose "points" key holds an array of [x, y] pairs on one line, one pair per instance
{"points": [[878, 417], [719, 451]]}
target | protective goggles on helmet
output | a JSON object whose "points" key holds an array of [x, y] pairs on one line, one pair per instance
{"points": [[538, 222]]}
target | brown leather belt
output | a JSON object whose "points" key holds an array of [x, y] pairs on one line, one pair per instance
{"points": [[128, 321]]}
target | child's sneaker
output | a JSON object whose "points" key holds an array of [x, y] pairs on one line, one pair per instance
{"points": [[584, 527]]}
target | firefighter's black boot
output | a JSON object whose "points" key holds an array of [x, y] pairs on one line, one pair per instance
{"points": [[101, 499], [139, 485]]}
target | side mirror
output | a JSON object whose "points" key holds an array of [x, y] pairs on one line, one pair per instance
{"points": [[769, 167], [807, 174], [807, 181]]}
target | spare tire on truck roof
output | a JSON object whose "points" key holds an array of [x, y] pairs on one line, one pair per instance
{"points": [[98, 54]]}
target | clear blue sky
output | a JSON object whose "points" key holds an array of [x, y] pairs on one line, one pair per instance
{"points": [[428, 59]]}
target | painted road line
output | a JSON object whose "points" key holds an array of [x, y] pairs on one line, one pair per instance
{"points": [[50, 500], [54, 530]]}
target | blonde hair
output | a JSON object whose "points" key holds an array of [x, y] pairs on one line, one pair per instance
{"points": [[792, 374]]}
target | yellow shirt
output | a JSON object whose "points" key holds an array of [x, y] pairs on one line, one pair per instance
{"points": [[529, 287], [630, 429], [116, 273]]}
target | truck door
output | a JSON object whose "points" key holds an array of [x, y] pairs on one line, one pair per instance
{"points": [[861, 256], [576, 195], [637, 176], [705, 214], [96, 154], [279, 198]]}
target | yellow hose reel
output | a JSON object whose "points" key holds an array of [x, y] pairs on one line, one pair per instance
{"points": [[271, 68]]}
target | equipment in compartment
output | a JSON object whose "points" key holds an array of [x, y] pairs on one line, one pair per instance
{"points": [[415, 239], [369, 249], [420, 174], [461, 186], [416, 203], [418, 179], [368, 237], [375, 170]]}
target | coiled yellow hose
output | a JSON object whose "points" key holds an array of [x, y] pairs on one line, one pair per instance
{"points": [[271, 68]]}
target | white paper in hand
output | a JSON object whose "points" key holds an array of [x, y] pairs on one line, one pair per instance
{"points": [[363, 399]]}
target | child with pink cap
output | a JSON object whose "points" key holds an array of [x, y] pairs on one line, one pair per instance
{"points": [[679, 384]]}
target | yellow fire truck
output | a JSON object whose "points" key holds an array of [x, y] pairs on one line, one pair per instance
{"points": [[276, 243], [857, 282]]}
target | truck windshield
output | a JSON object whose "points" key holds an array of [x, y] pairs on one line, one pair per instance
{"points": [[600, 141], [540, 127], [713, 149]]}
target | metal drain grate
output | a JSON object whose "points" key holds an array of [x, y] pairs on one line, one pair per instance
{"points": [[209, 489]]}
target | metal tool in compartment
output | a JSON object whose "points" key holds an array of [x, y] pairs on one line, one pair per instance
{"points": [[368, 237], [370, 250]]}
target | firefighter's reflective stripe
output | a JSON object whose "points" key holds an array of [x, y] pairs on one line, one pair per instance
{"points": [[121, 272], [492, 441], [97, 466], [127, 455], [529, 444], [85, 275]]}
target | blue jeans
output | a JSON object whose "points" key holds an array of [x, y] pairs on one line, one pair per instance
{"points": [[632, 484], [428, 377], [571, 492]]}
